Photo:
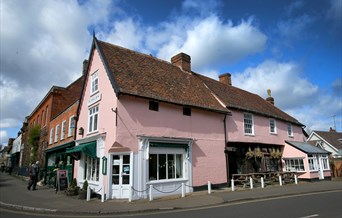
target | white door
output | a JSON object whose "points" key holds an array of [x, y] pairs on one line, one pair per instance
{"points": [[320, 167], [121, 175]]}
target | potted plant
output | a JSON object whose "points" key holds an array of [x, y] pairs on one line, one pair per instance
{"points": [[73, 188], [83, 191]]}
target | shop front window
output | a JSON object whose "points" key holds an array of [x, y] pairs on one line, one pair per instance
{"points": [[165, 166]]}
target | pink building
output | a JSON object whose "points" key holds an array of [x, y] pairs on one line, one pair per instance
{"points": [[143, 121], [310, 162]]}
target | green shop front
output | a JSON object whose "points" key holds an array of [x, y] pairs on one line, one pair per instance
{"points": [[58, 159]]}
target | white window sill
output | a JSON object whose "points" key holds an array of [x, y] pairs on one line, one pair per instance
{"points": [[155, 182]]}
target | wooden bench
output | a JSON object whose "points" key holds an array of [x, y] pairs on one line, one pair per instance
{"points": [[241, 179]]}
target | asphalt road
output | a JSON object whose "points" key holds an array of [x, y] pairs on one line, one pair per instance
{"points": [[325, 204]]}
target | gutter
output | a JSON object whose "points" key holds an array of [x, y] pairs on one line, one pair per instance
{"points": [[225, 148]]}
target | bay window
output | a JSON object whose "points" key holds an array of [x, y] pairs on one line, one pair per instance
{"points": [[163, 166], [294, 165], [91, 169]]}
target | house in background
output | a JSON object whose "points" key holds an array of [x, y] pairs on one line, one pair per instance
{"points": [[328, 140], [144, 121], [308, 161]]}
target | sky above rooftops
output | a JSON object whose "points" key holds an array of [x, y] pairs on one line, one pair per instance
{"points": [[293, 48]]}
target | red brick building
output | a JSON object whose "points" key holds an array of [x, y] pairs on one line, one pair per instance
{"points": [[55, 103]]}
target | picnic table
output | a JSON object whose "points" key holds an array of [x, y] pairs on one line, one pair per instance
{"points": [[268, 177]]}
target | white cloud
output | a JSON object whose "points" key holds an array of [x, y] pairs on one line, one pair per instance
{"points": [[284, 80], [211, 41], [3, 137], [292, 93], [9, 123], [295, 27]]}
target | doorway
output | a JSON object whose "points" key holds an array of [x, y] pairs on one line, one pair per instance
{"points": [[121, 176]]}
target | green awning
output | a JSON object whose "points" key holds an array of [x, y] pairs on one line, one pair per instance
{"points": [[60, 147], [88, 149]]}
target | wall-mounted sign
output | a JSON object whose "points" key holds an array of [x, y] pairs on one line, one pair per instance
{"points": [[95, 98], [104, 165]]}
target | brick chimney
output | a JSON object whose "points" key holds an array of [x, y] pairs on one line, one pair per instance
{"points": [[226, 78], [332, 130], [85, 65], [183, 61], [270, 99]]}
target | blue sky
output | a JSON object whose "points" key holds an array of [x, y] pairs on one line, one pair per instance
{"points": [[293, 48]]}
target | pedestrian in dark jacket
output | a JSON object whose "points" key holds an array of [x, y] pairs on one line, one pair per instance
{"points": [[33, 173]]}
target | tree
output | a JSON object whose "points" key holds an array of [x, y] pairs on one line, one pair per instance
{"points": [[34, 137]]}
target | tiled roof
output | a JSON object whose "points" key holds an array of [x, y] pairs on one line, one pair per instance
{"points": [[239, 99], [146, 76], [142, 75], [333, 138], [307, 148]]}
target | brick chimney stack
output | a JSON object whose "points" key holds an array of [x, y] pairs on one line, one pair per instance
{"points": [[85, 65], [226, 78], [183, 61]]}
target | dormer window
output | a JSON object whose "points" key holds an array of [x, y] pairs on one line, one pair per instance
{"points": [[154, 106], [94, 82], [186, 111]]}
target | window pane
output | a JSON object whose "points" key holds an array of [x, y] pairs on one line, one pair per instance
{"points": [[95, 122], [171, 166], [153, 167], [126, 159], [162, 166], [179, 166], [90, 124]]}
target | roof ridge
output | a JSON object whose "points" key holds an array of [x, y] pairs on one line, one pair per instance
{"points": [[137, 52]]}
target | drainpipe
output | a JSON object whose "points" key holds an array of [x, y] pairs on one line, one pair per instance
{"points": [[225, 147]]}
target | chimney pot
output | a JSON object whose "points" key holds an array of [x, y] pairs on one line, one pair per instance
{"points": [[85, 66], [183, 61], [226, 79], [270, 99]]}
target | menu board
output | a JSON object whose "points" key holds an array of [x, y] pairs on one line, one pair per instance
{"points": [[62, 180]]}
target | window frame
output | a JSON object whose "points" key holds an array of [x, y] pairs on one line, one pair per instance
{"points": [[294, 165], [176, 152], [91, 170], [92, 122], [71, 125], [94, 82], [52, 133], [63, 130], [312, 161], [274, 127], [325, 162], [56, 133], [289, 130], [187, 111], [153, 106], [251, 124]]}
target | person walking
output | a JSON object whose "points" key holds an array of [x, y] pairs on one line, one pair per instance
{"points": [[34, 174], [2, 168]]}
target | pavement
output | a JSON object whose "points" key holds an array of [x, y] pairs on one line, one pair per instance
{"points": [[14, 195]]}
